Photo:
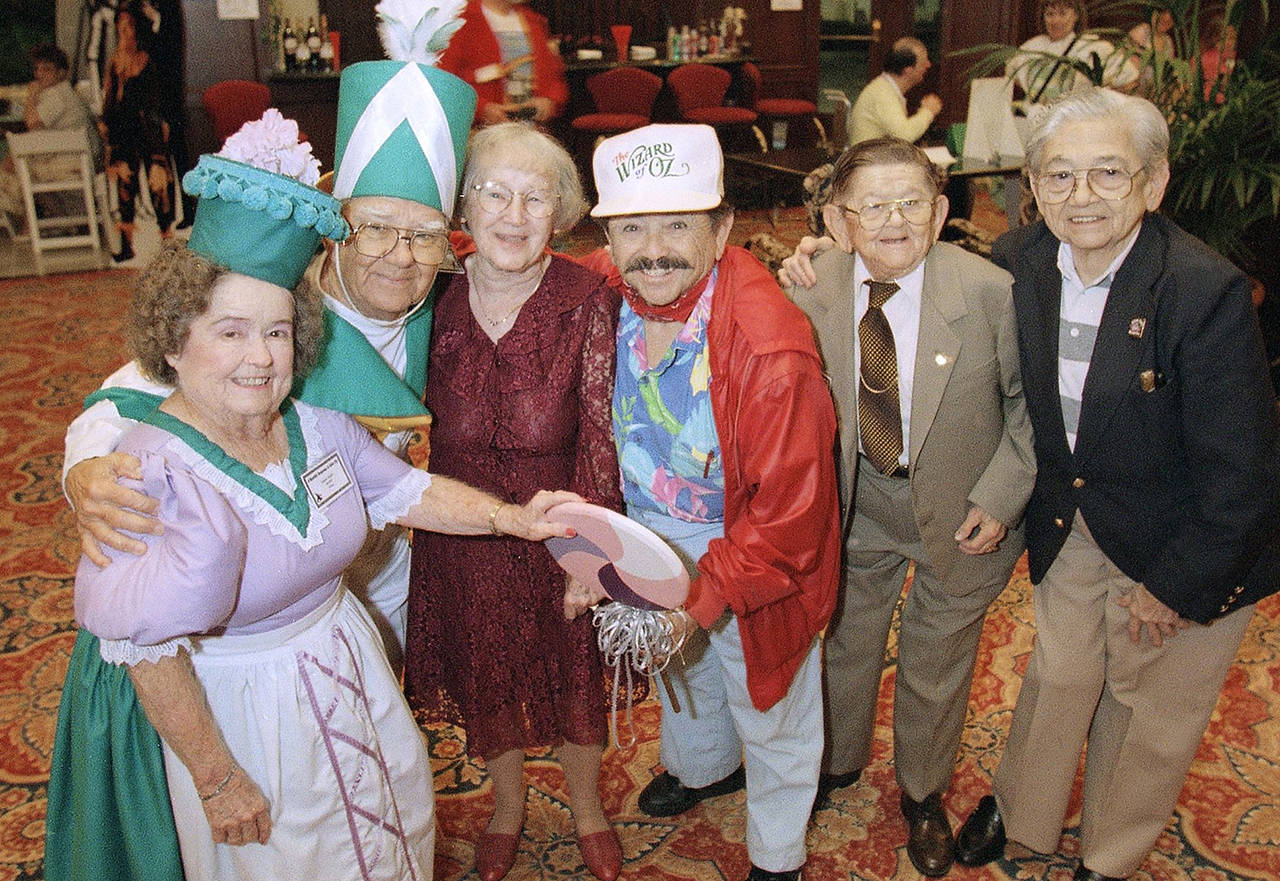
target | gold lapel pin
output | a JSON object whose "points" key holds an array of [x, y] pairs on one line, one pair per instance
{"points": [[1136, 327]]}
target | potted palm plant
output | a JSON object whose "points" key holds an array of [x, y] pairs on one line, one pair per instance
{"points": [[1224, 148]]}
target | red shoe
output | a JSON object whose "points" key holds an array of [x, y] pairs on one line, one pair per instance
{"points": [[602, 852], [495, 854]]}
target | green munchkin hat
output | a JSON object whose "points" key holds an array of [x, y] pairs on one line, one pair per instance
{"points": [[402, 132], [257, 222]]}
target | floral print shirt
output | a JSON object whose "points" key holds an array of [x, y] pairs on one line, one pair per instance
{"points": [[662, 422]]}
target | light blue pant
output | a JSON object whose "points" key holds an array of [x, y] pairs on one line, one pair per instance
{"points": [[718, 727]]}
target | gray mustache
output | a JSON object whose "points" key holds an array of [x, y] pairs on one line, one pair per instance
{"points": [[644, 264]]}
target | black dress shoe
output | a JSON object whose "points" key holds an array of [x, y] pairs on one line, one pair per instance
{"points": [[666, 796], [981, 839], [1083, 874], [759, 874], [125, 252], [829, 783], [929, 843]]}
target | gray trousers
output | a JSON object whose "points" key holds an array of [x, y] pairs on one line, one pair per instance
{"points": [[937, 644]]}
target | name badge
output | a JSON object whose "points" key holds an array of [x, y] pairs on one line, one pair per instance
{"points": [[326, 480]]}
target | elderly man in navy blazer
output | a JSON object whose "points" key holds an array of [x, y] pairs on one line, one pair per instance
{"points": [[1152, 528]]}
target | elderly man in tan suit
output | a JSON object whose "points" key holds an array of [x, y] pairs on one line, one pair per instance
{"points": [[937, 465]]}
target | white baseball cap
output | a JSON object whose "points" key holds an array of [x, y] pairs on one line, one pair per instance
{"points": [[659, 169]]}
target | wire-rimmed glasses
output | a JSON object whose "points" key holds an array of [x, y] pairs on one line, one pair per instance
{"points": [[916, 212], [1106, 181], [494, 198]]}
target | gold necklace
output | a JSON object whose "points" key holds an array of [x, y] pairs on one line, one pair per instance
{"points": [[498, 322]]}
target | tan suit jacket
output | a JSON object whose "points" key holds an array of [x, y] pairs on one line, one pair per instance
{"points": [[970, 437]]}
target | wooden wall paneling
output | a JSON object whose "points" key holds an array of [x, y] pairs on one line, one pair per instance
{"points": [[969, 23], [217, 50], [358, 24], [785, 45]]}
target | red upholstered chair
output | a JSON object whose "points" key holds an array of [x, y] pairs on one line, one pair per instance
{"points": [[782, 110], [699, 90], [232, 103], [624, 100]]}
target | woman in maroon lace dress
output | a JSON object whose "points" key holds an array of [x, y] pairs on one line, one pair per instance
{"points": [[520, 383]]}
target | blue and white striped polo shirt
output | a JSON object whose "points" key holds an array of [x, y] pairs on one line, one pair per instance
{"points": [[1078, 320]]}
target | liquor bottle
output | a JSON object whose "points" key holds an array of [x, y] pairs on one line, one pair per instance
{"points": [[313, 45], [326, 47], [289, 42], [704, 39], [673, 44], [688, 44]]}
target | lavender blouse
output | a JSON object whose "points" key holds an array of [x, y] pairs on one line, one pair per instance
{"points": [[242, 552]]}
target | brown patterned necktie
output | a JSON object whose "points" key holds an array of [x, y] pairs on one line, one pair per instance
{"points": [[879, 418]]}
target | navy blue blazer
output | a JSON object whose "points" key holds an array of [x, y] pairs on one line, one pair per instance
{"points": [[1176, 467]]}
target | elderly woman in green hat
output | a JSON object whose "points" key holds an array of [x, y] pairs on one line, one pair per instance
{"points": [[288, 749], [401, 135]]}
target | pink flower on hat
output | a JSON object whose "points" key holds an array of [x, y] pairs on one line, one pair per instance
{"points": [[271, 143]]}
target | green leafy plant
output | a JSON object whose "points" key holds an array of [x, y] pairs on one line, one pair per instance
{"points": [[1224, 147]]}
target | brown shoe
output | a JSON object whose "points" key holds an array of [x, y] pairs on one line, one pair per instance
{"points": [[495, 855], [929, 843]]}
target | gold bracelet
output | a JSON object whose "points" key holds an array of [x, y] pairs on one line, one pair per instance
{"points": [[493, 518], [217, 790]]}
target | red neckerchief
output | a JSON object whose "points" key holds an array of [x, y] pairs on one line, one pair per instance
{"points": [[678, 309]]}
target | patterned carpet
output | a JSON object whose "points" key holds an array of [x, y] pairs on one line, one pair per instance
{"points": [[63, 336]]}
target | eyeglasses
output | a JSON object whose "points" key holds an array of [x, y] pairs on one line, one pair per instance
{"points": [[872, 217], [427, 247], [494, 198], [1106, 182]]}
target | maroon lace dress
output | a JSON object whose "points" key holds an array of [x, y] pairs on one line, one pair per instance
{"points": [[487, 645]]}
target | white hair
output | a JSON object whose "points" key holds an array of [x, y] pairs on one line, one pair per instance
{"points": [[1146, 124]]}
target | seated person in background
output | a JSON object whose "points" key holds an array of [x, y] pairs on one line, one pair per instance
{"points": [[1043, 78], [881, 108], [502, 50], [51, 103]]}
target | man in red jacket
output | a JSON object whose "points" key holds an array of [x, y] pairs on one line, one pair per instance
{"points": [[725, 432]]}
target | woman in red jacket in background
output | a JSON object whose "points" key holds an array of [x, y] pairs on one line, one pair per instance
{"points": [[503, 51]]}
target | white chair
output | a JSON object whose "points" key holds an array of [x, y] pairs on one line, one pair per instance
{"points": [[71, 149]]}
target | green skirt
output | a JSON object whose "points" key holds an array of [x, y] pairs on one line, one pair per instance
{"points": [[109, 817]]}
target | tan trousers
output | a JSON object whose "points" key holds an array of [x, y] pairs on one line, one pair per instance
{"points": [[1142, 711]]}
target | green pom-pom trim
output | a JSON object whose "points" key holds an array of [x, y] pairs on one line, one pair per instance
{"points": [[216, 177], [230, 189], [307, 214], [256, 198]]}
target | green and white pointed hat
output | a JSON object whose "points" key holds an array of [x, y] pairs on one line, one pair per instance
{"points": [[403, 123]]}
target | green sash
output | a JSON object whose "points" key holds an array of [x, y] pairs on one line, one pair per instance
{"points": [[130, 403]]}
